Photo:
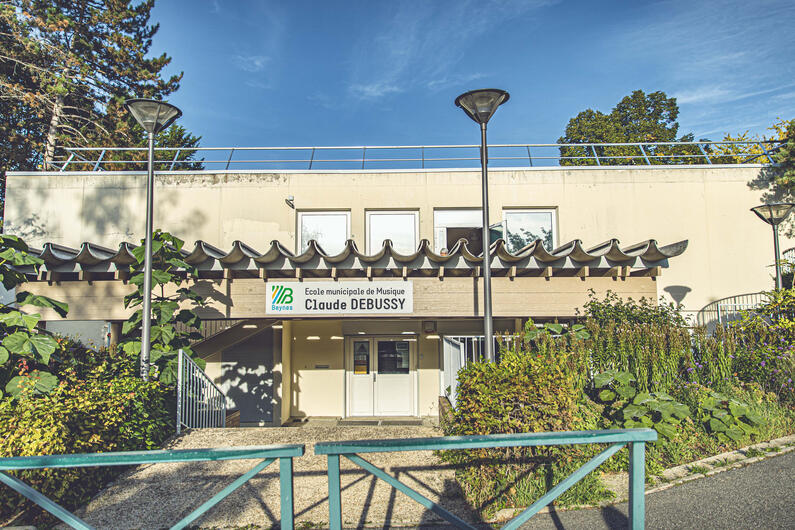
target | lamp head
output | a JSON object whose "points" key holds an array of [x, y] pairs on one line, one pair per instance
{"points": [[480, 105], [773, 213], [152, 115]]}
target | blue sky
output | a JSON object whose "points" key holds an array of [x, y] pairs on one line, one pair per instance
{"points": [[298, 73]]}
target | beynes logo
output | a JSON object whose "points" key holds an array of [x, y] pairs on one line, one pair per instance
{"points": [[281, 298]]}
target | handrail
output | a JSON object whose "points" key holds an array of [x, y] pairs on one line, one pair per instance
{"points": [[416, 156], [709, 315], [266, 453], [618, 438], [200, 403]]}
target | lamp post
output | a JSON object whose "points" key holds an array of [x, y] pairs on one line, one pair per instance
{"points": [[153, 116], [774, 214], [480, 105]]}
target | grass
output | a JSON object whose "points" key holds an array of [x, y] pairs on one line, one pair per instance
{"points": [[753, 452], [698, 469]]}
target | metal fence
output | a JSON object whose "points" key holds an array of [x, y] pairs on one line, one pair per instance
{"points": [[266, 454], [721, 311], [200, 403], [413, 156], [617, 438], [460, 350]]}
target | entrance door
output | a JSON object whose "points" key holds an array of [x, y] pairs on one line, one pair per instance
{"points": [[381, 376]]}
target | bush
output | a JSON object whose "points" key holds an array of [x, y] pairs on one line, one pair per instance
{"points": [[616, 309], [108, 410], [520, 393], [766, 353]]}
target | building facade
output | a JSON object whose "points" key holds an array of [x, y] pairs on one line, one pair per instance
{"points": [[359, 293]]}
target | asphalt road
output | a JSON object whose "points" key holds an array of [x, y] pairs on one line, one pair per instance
{"points": [[758, 496]]}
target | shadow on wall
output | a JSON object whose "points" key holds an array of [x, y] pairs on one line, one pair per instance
{"points": [[677, 292], [765, 182], [247, 378]]}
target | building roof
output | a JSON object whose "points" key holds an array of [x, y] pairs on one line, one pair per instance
{"points": [[95, 262]]}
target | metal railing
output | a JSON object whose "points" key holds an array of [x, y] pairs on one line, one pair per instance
{"points": [[460, 350], [208, 328], [413, 156], [267, 454], [717, 312], [617, 438], [200, 403]]}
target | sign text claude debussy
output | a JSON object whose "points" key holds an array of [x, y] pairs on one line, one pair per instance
{"points": [[331, 298]]}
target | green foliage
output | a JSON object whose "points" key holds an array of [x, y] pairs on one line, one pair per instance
{"points": [[637, 118], [766, 352], [520, 393], [111, 409], [168, 292], [613, 308], [630, 409], [25, 351]]}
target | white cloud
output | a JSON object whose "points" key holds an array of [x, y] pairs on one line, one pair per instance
{"points": [[373, 90], [251, 63], [423, 44]]}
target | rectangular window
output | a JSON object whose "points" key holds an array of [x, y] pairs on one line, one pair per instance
{"points": [[451, 225], [330, 229], [522, 227], [402, 228]]}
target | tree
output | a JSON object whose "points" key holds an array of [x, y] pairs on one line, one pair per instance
{"points": [[167, 338], [777, 181], [66, 67], [637, 118]]}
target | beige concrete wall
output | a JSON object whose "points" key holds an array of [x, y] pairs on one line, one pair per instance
{"points": [[729, 253], [433, 297], [316, 391]]}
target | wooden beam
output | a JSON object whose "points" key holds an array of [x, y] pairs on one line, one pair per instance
{"points": [[263, 274], [476, 271], [405, 272], [298, 273], [548, 273], [440, 273], [624, 271], [582, 273], [512, 272], [369, 273], [334, 272], [227, 273]]}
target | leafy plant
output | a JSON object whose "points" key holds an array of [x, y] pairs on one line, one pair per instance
{"points": [[25, 351], [168, 291], [728, 419], [632, 409], [576, 331]]}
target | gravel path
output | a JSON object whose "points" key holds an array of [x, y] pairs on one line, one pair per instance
{"points": [[154, 496]]}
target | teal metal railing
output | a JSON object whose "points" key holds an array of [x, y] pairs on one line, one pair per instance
{"points": [[617, 438], [266, 454]]}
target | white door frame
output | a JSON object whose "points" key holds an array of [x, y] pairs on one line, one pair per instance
{"points": [[413, 368]]}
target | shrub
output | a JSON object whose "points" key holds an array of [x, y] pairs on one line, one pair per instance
{"points": [[110, 410], [520, 393], [613, 308]]}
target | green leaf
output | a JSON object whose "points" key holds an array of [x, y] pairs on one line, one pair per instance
{"points": [[633, 411], [663, 396], [132, 347], [19, 258], [19, 343], [642, 397], [623, 378], [4, 356], [39, 383], [25, 298], [607, 395], [19, 319], [557, 329], [717, 425], [738, 410], [735, 433], [161, 277], [626, 392], [665, 429], [754, 418], [44, 346], [604, 379], [646, 421]]}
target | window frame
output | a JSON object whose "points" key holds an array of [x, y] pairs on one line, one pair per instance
{"points": [[552, 211], [369, 213], [299, 247], [436, 247]]}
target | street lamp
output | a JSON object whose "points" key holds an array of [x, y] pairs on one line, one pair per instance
{"points": [[153, 116], [480, 105], [774, 214]]}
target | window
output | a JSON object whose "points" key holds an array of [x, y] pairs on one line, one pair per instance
{"points": [[451, 225], [522, 227], [401, 227], [329, 229]]}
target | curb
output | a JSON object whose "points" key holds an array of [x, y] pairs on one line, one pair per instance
{"points": [[711, 465]]}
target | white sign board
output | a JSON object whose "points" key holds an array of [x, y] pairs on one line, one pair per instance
{"points": [[338, 298]]}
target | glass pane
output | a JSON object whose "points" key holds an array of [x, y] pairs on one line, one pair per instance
{"points": [[361, 357], [330, 230], [393, 357], [451, 225], [525, 227], [399, 227]]}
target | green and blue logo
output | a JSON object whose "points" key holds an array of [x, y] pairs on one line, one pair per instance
{"points": [[281, 298]]}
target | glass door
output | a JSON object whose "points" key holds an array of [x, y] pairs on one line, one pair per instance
{"points": [[361, 379], [394, 388]]}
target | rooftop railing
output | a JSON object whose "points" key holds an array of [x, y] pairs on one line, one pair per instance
{"points": [[385, 157]]}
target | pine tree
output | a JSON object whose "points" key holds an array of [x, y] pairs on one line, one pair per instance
{"points": [[66, 67]]}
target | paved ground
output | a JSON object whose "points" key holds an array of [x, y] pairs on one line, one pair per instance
{"points": [[758, 496], [153, 495]]}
